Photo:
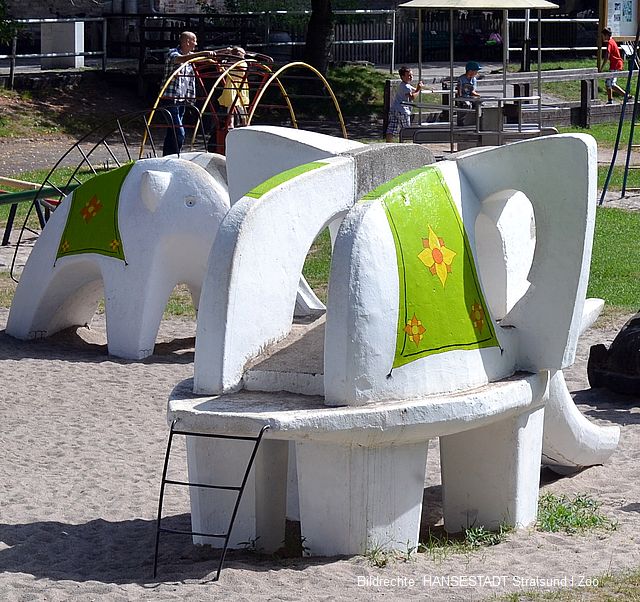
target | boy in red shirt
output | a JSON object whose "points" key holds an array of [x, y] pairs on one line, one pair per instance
{"points": [[615, 64]]}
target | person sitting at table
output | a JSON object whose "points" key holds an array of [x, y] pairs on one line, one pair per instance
{"points": [[466, 87]]}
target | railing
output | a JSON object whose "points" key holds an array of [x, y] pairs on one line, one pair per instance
{"points": [[523, 84], [14, 55], [472, 30], [593, 47]]}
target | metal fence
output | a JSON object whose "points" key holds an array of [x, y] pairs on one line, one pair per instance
{"points": [[359, 35], [475, 36], [373, 36]]}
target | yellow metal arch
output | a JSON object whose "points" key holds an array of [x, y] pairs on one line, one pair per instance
{"points": [[282, 70], [253, 103], [274, 77]]}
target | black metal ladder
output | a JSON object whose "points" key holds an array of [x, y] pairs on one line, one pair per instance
{"points": [[238, 489]]}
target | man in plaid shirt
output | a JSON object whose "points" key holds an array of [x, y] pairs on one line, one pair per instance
{"points": [[181, 89]]}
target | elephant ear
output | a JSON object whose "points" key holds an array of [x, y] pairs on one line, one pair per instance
{"points": [[153, 185]]}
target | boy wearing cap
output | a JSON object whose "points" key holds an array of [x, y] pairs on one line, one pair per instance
{"points": [[467, 88], [615, 64], [400, 113]]}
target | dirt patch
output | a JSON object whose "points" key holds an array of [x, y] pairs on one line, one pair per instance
{"points": [[37, 126], [72, 107]]}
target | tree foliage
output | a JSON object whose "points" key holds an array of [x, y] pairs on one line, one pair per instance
{"points": [[7, 28]]}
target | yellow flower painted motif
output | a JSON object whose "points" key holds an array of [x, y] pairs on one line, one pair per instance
{"points": [[436, 256], [114, 245], [415, 329], [65, 246], [477, 316]]}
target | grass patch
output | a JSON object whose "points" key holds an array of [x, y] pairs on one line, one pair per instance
{"points": [[318, 265], [570, 91], [359, 89], [22, 118], [180, 304], [578, 515], [439, 545], [7, 289], [615, 263], [617, 176], [604, 133]]}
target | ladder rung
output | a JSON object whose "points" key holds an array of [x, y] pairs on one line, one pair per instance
{"points": [[216, 436], [207, 486], [181, 532]]}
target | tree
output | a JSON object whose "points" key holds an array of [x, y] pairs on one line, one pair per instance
{"points": [[320, 35], [7, 27]]}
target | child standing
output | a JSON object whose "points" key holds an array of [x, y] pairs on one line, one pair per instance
{"points": [[399, 113], [615, 64]]}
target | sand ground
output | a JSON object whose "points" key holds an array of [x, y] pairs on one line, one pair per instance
{"points": [[83, 438]]}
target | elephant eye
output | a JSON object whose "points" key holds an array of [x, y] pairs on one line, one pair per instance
{"points": [[190, 201]]}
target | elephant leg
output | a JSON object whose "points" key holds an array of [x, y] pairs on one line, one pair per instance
{"points": [[134, 302], [48, 299]]}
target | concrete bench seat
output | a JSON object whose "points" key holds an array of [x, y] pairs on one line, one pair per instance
{"points": [[296, 417]]}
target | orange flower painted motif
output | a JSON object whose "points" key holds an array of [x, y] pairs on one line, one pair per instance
{"points": [[415, 329], [436, 256], [477, 316], [90, 209], [114, 245]]}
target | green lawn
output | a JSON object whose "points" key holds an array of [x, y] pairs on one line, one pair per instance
{"points": [[615, 263], [571, 90], [605, 133]]}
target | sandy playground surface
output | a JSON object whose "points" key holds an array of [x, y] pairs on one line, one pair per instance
{"points": [[83, 437]]}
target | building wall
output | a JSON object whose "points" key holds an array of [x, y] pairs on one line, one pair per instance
{"points": [[178, 6], [22, 9]]}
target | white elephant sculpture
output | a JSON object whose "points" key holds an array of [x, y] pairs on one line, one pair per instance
{"points": [[131, 234], [457, 292], [150, 227]]}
